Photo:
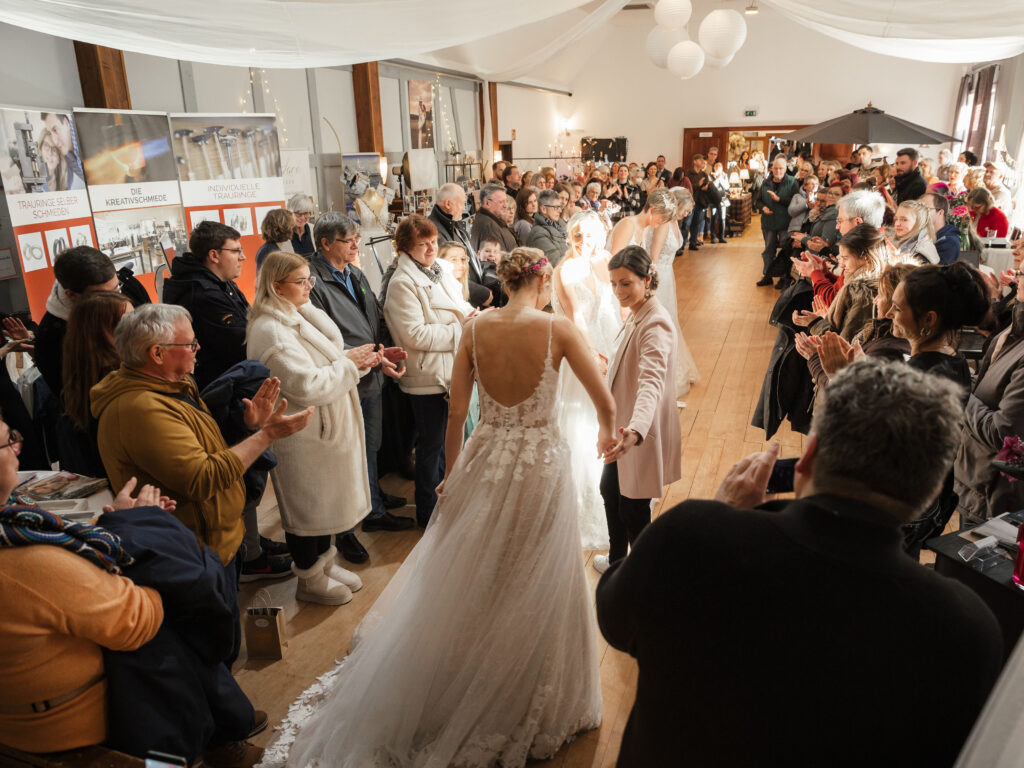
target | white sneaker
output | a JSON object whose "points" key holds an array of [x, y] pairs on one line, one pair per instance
{"points": [[336, 573], [601, 563]]}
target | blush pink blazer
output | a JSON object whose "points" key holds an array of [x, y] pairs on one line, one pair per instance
{"points": [[641, 378]]}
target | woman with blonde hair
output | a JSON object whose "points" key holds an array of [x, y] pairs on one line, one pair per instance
{"points": [[914, 232], [649, 228], [455, 254], [303, 348]]}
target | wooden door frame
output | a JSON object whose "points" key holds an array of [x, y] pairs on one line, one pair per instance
{"points": [[723, 134]]}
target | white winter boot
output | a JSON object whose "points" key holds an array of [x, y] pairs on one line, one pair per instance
{"points": [[315, 586], [337, 573]]}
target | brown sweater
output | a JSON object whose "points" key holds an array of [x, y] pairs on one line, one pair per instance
{"points": [[58, 610]]}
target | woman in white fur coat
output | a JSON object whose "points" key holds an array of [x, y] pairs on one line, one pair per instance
{"points": [[320, 480]]}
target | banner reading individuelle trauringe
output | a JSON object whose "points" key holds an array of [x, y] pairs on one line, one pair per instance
{"points": [[133, 188], [230, 171], [46, 195]]}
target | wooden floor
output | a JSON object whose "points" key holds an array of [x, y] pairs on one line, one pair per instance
{"points": [[724, 320]]}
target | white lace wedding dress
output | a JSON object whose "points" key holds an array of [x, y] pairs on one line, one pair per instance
{"points": [[482, 650], [686, 367], [599, 316]]}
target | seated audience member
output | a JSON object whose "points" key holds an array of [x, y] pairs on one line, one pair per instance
{"points": [[927, 168], [914, 233], [78, 271], [526, 207], [592, 197], [277, 228], [824, 229], [969, 158], [909, 184], [154, 426], [475, 294], [947, 236], [1001, 196], [988, 220], [489, 221], [497, 169], [203, 282], [718, 634], [548, 233], [992, 414], [527, 180], [942, 170], [974, 179], [89, 355], [565, 198], [512, 180], [301, 206], [955, 181]]}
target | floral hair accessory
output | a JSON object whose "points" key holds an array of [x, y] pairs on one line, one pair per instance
{"points": [[538, 266], [653, 269]]}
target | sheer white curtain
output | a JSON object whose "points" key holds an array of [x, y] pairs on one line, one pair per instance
{"points": [[925, 30]]}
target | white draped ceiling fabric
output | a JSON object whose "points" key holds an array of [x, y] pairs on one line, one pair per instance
{"points": [[307, 33]]}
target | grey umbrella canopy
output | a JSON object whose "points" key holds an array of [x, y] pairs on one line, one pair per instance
{"points": [[868, 126]]}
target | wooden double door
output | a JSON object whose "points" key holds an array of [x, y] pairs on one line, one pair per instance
{"points": [[700, 140]]}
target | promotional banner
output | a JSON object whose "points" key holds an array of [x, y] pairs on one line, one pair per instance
{"points": [[230, 171], [132, 180], [46, 195]]}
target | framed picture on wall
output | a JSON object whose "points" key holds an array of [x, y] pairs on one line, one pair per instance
{"points": [[421, 114]]}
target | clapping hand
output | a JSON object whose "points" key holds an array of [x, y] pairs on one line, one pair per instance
{"points": [[279, 425], [259, 409], [16, 329], [804, 318], [149, 496], [817, 244], [806, 345], [797, 238], [390, 357], [820, 306], [1007, 277], [365, 356], [745, 485], [836, 353]]}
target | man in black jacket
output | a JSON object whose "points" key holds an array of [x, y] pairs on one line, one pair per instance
{"points": [[203, 282], [803, 634], [344, 293], [451, 228], [909, 183]]}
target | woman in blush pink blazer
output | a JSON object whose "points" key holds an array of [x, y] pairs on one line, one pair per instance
{"points": [[646, 457]]}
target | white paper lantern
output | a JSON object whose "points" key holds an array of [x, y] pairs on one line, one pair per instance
{"points": [[722, 33], [672, 14], [685, 59], [660, 42], [717, 63]]}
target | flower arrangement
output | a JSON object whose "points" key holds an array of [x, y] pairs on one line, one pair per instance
{"points": [[1010, 459], [960, 216]]}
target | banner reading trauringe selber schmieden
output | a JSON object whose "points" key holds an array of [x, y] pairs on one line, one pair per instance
{"points": [[230, 171], [46, 195], [132, 181]]}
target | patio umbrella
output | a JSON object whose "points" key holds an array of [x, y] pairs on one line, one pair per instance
{"points": [[868, 126]]}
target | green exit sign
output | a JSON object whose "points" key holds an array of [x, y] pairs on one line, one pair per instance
{"points": [[750, 113]]}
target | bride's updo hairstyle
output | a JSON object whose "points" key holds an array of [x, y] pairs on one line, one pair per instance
{"points": [[522, 265], [636, 260], [661, 202]]}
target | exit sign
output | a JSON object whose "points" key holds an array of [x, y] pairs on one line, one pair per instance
{"points": [[750, 113]]}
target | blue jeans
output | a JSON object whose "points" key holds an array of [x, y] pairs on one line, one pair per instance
{"points": [[430, 416], [696, 224], [373, 420]]}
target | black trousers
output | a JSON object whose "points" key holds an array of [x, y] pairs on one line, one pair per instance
{"points": [[306, 549], [626, 517]]}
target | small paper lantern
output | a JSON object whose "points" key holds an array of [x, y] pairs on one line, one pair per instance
{"points": [[722, 33], [718, 63], [660, 42], [685, 59], [672, 14]]}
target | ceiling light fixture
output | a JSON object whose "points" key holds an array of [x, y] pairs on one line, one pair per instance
{"points": [[751, 9]]}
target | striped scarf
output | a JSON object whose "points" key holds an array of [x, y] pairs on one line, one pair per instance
{"points": [[26, 526]]}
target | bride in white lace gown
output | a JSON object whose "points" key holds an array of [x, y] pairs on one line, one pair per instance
{"points": [[482, 650], [662, 244], [582, 294]]}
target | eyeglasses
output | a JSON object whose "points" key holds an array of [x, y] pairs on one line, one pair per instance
{"points": [[307, 214], [555, 207], [236, 251], [14, 441], [310, 281], [348, 240], [192, 345]]}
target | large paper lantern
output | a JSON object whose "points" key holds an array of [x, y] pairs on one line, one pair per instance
{"points": [[717, 63], [685, 59], [722, 33], [660, 42], [672, 14]]}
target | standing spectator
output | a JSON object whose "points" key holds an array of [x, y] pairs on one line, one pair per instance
{"points": [[447, 214], [526, 207], [877, 455], [425, 312], [699, 183], [957, 174], [548, 233], [277, 229], [663, 173], [303, 348], [79, 271], [909, 184], [343, 292], [944, 158], [489, 221], [776, 193], [497, 170], [628, 196], [301, 205], [947, 236], [994, 183], [478, 296], [513, 180]]}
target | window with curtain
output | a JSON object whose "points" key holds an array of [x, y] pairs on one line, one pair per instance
{"points": [[979, 127]]}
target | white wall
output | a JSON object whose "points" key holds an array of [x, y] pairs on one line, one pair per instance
{"points": [[1009, 106], [38, 70], [536, 117], [154, 83]]}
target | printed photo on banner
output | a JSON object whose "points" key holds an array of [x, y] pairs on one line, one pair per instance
{"points": [[42, 152], [421, 114], [221, 147], [144, 239], [125, 147]]}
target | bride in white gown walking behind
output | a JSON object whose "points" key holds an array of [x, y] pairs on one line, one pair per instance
{"points": [[482, 650]]}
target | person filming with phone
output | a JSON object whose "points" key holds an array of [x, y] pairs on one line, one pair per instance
{"points": [[801, 624]]}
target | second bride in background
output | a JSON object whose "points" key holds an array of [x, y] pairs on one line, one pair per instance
{"points": [[583, 295]]}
